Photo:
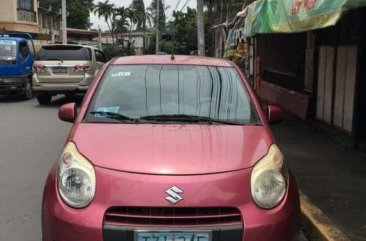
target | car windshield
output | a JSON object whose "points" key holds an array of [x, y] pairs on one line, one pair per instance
{"points": [[172, 93], [7, 50], [62, 52]]}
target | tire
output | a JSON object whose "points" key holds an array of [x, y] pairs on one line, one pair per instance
{"points": [[44, 99], [28, 91], [69, 96]]}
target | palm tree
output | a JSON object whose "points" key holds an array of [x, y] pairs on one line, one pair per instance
{"points": [[162, 18], [120, 23], [106, 10], [132, 20], [138, 8], [142, 18]]}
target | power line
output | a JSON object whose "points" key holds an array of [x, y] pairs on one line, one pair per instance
{"points": [[176, 6], [184, 5]]}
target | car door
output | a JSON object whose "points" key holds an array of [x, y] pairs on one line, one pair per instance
{"points": [[25, 58]]}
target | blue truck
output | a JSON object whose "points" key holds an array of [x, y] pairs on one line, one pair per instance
{"points": [[16, 60]]}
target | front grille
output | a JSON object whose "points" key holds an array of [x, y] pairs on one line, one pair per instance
{"points": [[172, 216], [10, 86], [5, 84]]}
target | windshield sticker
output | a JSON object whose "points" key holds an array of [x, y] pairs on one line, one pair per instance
{"points": [[112, 109], [121, 74]]}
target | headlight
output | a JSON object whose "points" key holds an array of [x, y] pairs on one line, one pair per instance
{"points": [[269, 179], [76, 178], [12, 80]]}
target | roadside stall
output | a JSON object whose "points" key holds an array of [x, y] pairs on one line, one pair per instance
{"points": [[309, 58]]}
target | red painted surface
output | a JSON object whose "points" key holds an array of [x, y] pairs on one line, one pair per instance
{"points": [[115, 188], [179, 59], [172, 149], [67, 112], [135, 164], [275, 114]]}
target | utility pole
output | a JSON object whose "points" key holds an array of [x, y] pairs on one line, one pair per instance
{"points": [[64, 31], [100, 37], [157, 47], [200, 28]]}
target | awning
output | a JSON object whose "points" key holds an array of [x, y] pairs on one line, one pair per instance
{"points": [[288, 16]]}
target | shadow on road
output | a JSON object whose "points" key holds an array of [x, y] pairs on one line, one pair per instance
{"points": [[56, 100], [11, 99], [61, 99]]}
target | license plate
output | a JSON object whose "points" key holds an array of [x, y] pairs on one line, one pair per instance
{"points": [[173, 236], [59, 70]]}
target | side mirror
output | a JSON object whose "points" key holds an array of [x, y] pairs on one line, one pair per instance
{"points": [[275, 114], [67, 112]]}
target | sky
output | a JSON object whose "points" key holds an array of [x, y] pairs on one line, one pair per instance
{"points": [[125, 3]]}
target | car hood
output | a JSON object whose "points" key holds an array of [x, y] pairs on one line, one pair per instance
{"points": [[10, 70], [172, 149]]}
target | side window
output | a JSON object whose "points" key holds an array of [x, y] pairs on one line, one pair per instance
{"points": [[90, 53], [24, 50], [100, 56], [103, 57], [97, 57]]}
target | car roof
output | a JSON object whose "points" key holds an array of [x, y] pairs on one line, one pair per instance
{"points": [[73, 45], [178, 59]]}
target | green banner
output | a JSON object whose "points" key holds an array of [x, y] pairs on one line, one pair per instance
{"points": [[288, 16]]}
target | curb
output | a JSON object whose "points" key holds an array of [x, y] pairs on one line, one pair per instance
{"points": [[317, 226]]}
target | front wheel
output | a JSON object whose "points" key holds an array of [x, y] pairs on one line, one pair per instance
{"points": [[44, 99], [28, 92]]}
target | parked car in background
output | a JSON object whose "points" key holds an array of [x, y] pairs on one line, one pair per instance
{"points": [[16, 60], [65, 69], [170, 148]]}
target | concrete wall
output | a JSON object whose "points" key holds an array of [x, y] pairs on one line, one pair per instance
{"points": [[8, 11], [8, 17]]}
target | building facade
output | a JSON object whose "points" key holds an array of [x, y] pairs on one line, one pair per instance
{"points": [[30, 16], [135, 38], [49, 21]]}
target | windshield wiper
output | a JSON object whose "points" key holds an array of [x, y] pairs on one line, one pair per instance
{"points": [[187, 118], [112, 115]]}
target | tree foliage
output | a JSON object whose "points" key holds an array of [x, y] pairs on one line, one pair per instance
{"points": [[120, 20], [181, 34], [185, 28], [120, 23], [78, 13], [138, 9], [115, 50], [106, 10], [153, 13]]}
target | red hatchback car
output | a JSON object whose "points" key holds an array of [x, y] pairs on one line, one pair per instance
{"points": [[170, 148]]}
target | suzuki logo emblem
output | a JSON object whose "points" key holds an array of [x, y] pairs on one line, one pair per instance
{"points": [[174, 196]]}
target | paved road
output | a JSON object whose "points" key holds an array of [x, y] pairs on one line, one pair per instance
{"points": [[31, 138]]}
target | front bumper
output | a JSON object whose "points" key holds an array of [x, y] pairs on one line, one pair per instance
{"points": [[61, 86], [119, 189], [12, 85]]}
